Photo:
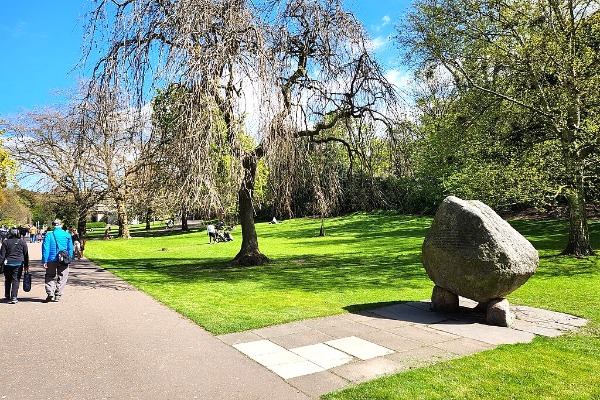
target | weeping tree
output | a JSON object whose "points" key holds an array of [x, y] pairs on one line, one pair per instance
{"points": [[539, 55], [197, 175], [258, 77]]}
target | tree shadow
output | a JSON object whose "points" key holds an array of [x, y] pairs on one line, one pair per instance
{"points": [[380, 226], [300, 272], [419, 312]]}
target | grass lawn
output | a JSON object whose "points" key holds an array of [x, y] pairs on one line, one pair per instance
{"points": [[364, 261]]}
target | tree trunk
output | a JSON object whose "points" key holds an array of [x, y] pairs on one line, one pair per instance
{"points": [[148, 213], [579, 236], [184, 220], [122, 219], [81, 221], [249, 253]]}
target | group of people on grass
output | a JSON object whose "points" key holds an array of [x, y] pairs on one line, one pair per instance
{"points": [[14, 260], [218, 233]]}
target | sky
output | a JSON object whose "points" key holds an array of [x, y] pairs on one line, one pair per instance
{"points": [[41, 44]]}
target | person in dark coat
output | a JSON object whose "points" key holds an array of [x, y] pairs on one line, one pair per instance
{"points": [[15, 257]]}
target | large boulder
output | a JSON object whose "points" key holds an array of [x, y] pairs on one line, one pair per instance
{"points": [[472, 252]]}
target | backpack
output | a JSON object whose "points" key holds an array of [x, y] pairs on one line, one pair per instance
{"points": [[63, 256]]}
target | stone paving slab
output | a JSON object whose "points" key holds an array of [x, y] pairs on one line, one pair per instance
{"points": [[357, 347], [494, 335], [547, 318], [368, 370], [323, 355], [306, 339], [421, 357], [314, 385]]}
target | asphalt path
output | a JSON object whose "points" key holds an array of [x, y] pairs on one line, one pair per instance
{"points": [[107, 340]]}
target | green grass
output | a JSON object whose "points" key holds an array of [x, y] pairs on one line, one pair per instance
{"points": [[363, 262], [360, 262]]}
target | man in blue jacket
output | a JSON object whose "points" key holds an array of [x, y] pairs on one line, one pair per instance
{"points": [[56, 274]]}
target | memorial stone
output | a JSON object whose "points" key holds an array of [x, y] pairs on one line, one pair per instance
{"points": [[472, 252]]}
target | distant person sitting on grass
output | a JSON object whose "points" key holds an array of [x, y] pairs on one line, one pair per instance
{"points": [[107, 234]]}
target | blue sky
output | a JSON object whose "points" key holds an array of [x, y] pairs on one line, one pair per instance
{"points": [[41, 43]]}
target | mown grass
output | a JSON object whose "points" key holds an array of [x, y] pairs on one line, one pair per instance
{"points": [[364, 261], [361, 261]]}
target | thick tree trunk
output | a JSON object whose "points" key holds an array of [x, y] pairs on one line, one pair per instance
{"points": [[81, 221], [122, 219], [579, 236], [249, 253]]}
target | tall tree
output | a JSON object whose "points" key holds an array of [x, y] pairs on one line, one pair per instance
{"points": [[49, 146], [541, 55], [270, 71], [119, 147]]}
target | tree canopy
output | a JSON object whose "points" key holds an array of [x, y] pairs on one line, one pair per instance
{"points": [[541, 56]]}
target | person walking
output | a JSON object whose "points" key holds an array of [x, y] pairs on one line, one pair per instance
{"points": [[77, 246], [56, 274], [33, 234], [14, 255]]}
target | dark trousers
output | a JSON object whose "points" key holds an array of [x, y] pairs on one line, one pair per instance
{"points": [[12, 276]]}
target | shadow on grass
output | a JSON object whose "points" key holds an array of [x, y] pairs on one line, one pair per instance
{"points": [[361, 308], [151, 233], [303, 272], [355, 226], [567, 266]]}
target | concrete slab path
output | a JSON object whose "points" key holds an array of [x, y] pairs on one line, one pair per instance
{"points": [[106, 340], [321, 355]]}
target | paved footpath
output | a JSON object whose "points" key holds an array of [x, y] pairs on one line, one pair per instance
{"points": [[107, 340]]}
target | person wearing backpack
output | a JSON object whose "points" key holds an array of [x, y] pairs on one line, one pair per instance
{"points": [[57, 273], [15, 257]]}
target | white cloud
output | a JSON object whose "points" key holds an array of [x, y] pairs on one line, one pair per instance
{"points": [[401, 79], [385, 20], [379, 43]]}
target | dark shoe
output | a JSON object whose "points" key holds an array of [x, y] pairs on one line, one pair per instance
{"points": [[13, 301], [57, 298], [49, 298]]}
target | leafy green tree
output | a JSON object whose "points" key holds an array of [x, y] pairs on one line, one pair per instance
{"points": [[539, 55], [8, 165], [13, 211]]}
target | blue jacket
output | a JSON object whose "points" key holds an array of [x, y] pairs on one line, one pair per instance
{"points": [[49, 246]]}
